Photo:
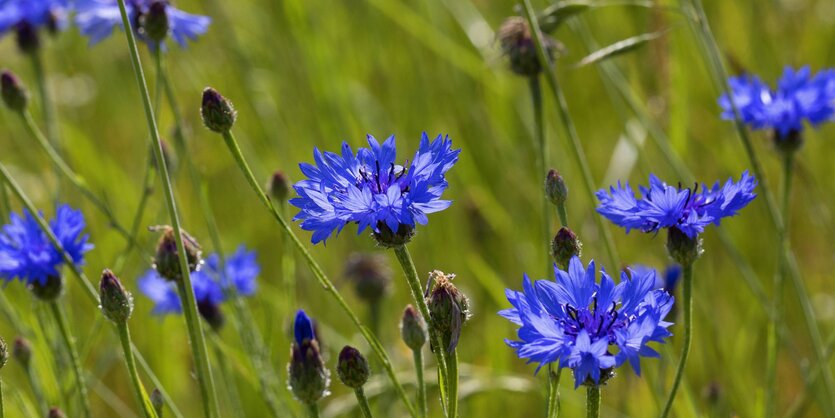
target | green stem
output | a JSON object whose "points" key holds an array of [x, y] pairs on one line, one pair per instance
{"points": [[37, 390], [687, 295], [415, 288], [452, 394], [593, 402], [46, 101], [417, 355], [288, 264], [2, 407], [553, 391], [196, 337], [317, 271], [542, 157], [562, 215], [138, 389], [802, 399], [574, 139], [233, 396], [147, 189], [69, 343], [363, 402], [313, 410]]}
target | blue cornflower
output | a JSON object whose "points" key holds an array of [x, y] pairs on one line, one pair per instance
{"points": [[667, 280], [665, 206], [34, 14], [589, 327], [799, 96], [27, 254], [370, 189], [97, 18]]}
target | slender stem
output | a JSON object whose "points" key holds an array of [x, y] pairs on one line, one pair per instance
{"points": [[196, 337], [46, 101], [687, 295], [138, 389], [147, 189], [69, 342], [2, 407], [288, 263], [802, 399], [562, 215], [593, 402], [317, 271], [553, 391], [542, 158], [37, 390], [233, 396], [452, 373], [313, 410], [421, 384], [408, 265], [362, 400], [574, 139]]}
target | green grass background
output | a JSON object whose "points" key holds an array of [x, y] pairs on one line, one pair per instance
{"points": [[314, 73]]}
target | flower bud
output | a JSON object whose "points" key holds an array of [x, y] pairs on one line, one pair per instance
{"points": [[565, 246], [413, 328], [308, 377], [212, 314], [157, 401], [49, 290], [218, 113], [370, 274], [683, 249], [56, 412], [515, 38], [154, 23], [22, 351], [14, 93], [116, 302], [352, 368], [166, 259], [789, 143], [279, 186], [28, 39], [555, 188], [387, 238], [4, 353], [448, 309]]}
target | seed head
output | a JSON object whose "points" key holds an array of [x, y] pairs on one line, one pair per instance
{"points": [[116, 302], [352, 368], [218, 113]]}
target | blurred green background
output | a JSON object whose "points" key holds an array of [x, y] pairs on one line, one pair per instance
{"points": [[308, 73]]}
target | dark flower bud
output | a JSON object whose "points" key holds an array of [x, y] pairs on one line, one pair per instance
{"points": [[167, 261], [555, 188], [515, 38], [4, 353], [116, 302], [22, 351], [56, 412], [683, 249], [157, 401], [52, 23], [212, 314], [370, 274], [49, 290], [387, 238], [789, 143], [413, 328], [28, 40], [352, 368], [564, 246], [14, 93], [154, 23], [308, 377], [279, 186], [448, 309], [218, 113]]}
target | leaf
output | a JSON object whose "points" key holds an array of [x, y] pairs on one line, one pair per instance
{"points": [[620, 47], [556, 14]]}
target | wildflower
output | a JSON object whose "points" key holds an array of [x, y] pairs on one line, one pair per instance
{"points": [[352, 368], [279, 186], [448, 309], [589, 327], [666, 281], [308, 377], [26, 17], [27, 254], [799, 96], [369, 189], [97, 18]]}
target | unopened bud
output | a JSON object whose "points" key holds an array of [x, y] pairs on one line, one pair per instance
{"points": [[4, 353], [48, 290], [218, 113], [683, 249], [157, 401], [387, 238], [14, 93], [155, 22], [279, 186], [370, 274], [565, 246], [116, 301], [28, 39], [308, 377], [788, 144], [555, 188], [22, 351], [413, 328], [212, 314], [448, 309], [352, 368], [166, 259], [56, 412], [515, 38]]}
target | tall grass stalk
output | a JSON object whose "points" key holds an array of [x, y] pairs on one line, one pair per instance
{"points": [[138, 389], [417, 356], [69, 343], [47, 107]]}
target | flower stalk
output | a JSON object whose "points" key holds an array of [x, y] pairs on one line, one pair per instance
{"points": [[593, 401], [687, 296], [69, 343]]}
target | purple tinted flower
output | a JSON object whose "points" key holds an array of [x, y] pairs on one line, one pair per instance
{"points": [[36, 13]]}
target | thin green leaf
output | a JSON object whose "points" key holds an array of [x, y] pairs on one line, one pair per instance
{"points": [[620, 47], [556, 14]]}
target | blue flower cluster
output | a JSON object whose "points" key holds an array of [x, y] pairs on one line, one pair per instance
{"points": [[370, 189], [97, 18], [799, 96], [665, 206], [587, 326], [35, 13], [209, 283], [27, 254]]}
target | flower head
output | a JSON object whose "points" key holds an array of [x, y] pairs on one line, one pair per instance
{"points": [[587, 326], [33, 14], [368, 188], [664, 206], [97, 18], [308, 378], [800, 96], [27, 254]]}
